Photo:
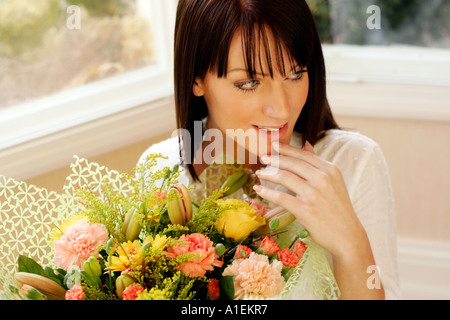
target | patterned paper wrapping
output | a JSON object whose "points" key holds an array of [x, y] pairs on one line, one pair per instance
{"points": [[28, 214]]}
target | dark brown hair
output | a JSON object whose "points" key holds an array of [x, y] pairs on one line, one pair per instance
{"points": [[203, 33]]}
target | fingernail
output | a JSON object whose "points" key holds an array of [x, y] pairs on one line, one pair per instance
{"points": [[308, 147], [265, 159], [267, 171], [257, 188]]}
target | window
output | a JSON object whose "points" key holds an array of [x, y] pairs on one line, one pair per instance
{"points": [[380, 51], [80, 77], [45, 49]]}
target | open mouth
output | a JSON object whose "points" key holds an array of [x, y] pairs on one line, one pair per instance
{"points": [[271, 132]]}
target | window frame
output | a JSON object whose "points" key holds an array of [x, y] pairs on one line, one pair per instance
{"points": [[402, 82], [35, 135]]}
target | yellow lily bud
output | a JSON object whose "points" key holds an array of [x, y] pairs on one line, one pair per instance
{"points": [[279, 214], [131, 226], [179, 205], [234, 183], [122, 282]]}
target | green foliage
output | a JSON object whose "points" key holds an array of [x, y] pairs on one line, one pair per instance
{"points": [[24, 24], [204, 220], [28, 265], [397, 12], [321, 13], [177, 287], [94, 292]]}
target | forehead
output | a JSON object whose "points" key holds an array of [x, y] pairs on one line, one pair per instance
{"points": [[258, 53]]}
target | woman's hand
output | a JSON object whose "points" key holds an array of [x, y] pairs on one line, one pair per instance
{"points": [[322, 205], [321, 202]]}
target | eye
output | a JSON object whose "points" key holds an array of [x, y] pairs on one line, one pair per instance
{"points": [[297, 75], [247, 85]]}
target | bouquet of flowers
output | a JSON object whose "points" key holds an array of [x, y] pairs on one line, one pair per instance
{"points": [[146, 239]]}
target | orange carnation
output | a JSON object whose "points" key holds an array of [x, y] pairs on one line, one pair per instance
{"points": [[269, 246], [288, 258], [76, 293], [131, 292], [242, 252], [205, 256], [213, 289], [299, 248]]}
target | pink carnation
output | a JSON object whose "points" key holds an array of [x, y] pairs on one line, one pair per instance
{"points": [[288, 258], [260, 208], [78, 243], [269, 246], [76, 293], [131, 292], [205, 258], [255, 277]]}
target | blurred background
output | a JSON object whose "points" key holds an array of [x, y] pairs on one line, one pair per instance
{"points": [[94, 78]]}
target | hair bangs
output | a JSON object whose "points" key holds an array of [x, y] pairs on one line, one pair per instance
{"points": [[258, 39]]}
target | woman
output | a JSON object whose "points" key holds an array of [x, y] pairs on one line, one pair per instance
{"points": [[254, 69]]}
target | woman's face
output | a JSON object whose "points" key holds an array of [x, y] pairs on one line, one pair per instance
{"points": [[254, 112]]}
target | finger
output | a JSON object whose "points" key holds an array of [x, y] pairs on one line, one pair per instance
{"points": [[308, 147], [291, 203], [311, 158], [295, 165], [289, 180]]}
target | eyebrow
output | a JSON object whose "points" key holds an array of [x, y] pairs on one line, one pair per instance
{"points": [[259, 73]]}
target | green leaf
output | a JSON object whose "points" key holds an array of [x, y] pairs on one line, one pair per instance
{"points": [[226, 286], [89, 278], [26, 264], [55, 276]]}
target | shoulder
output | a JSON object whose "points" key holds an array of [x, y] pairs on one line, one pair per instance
{"points": [[343, 143], [358, 157]]}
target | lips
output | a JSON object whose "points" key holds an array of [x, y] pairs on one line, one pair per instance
{"points": [[271, 132]]}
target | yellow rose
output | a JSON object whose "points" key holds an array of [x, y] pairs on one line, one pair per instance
{"points": [[238, 221]]}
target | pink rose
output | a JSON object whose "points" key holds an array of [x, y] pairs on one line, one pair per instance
{"points": [[78, 243]]}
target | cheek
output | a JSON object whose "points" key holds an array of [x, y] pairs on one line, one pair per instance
{"points": [[228, 107]]}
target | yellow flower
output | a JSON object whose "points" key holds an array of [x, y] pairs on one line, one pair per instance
{"points": [[157, 242], [238, 219], [57, 232], [153, 214], [130, 256]]}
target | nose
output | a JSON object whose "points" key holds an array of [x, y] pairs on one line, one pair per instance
{"points": [[276, 103]]}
